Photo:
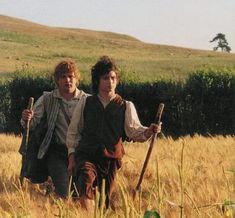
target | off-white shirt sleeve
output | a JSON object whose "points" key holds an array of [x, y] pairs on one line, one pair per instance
{"points": [[133, 128], [76, 126]]}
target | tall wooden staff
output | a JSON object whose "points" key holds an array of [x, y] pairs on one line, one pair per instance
{"points": [[24, 144], [154, 136]]}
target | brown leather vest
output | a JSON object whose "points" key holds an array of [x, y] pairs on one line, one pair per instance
{"points": [[103, 127]]}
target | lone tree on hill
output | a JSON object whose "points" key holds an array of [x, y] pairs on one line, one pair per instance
{"points": [[222, 43]]}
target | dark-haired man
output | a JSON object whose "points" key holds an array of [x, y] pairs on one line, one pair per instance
{"points": [[95, 134]]}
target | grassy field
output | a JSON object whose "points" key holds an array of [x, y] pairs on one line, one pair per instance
{"points": [[42, 47], [190, 177]]}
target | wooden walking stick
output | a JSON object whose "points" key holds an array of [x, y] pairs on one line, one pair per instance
{"points": [[154, 136], [24, 144]]}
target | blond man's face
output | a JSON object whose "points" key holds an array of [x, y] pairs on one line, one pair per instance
{"points": [[67, 83]]}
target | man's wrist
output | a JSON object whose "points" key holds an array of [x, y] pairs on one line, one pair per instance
{"points": [[70, 150], [146, 136]]}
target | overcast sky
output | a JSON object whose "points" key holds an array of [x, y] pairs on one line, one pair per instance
{"points": [[186, 23]]}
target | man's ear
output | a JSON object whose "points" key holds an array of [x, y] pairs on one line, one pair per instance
{"points": [[118, 81]]}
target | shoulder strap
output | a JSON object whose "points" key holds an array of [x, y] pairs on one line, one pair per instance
{"points": [[64, 112]]}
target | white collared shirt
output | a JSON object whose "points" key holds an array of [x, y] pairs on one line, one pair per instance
{"points": [[133, 128], [61, 125]]}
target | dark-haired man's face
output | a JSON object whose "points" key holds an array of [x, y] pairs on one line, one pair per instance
{"points": [[108, 82]]}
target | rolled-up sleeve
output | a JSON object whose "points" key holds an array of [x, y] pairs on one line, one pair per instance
{"points": [[75, 126], [133, 128]]}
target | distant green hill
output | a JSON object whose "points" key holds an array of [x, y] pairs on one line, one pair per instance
{"points": [[42, 47]]}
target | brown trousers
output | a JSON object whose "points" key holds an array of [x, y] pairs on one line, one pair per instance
{"points": [[91, 170]]}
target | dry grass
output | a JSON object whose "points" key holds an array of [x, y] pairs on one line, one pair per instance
{"points": [[42, 47], [188, 177]]}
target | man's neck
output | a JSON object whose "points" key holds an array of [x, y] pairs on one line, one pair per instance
{"points": [[67, 96], [106, 97]]}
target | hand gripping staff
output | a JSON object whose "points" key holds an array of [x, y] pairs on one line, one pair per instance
{"points": [[24, 144], [154, 137]]}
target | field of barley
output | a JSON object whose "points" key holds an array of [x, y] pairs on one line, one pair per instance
{"points": [[189, 177]]}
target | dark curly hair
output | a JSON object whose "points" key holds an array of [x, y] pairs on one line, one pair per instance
{"points": [[103, 66]]}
